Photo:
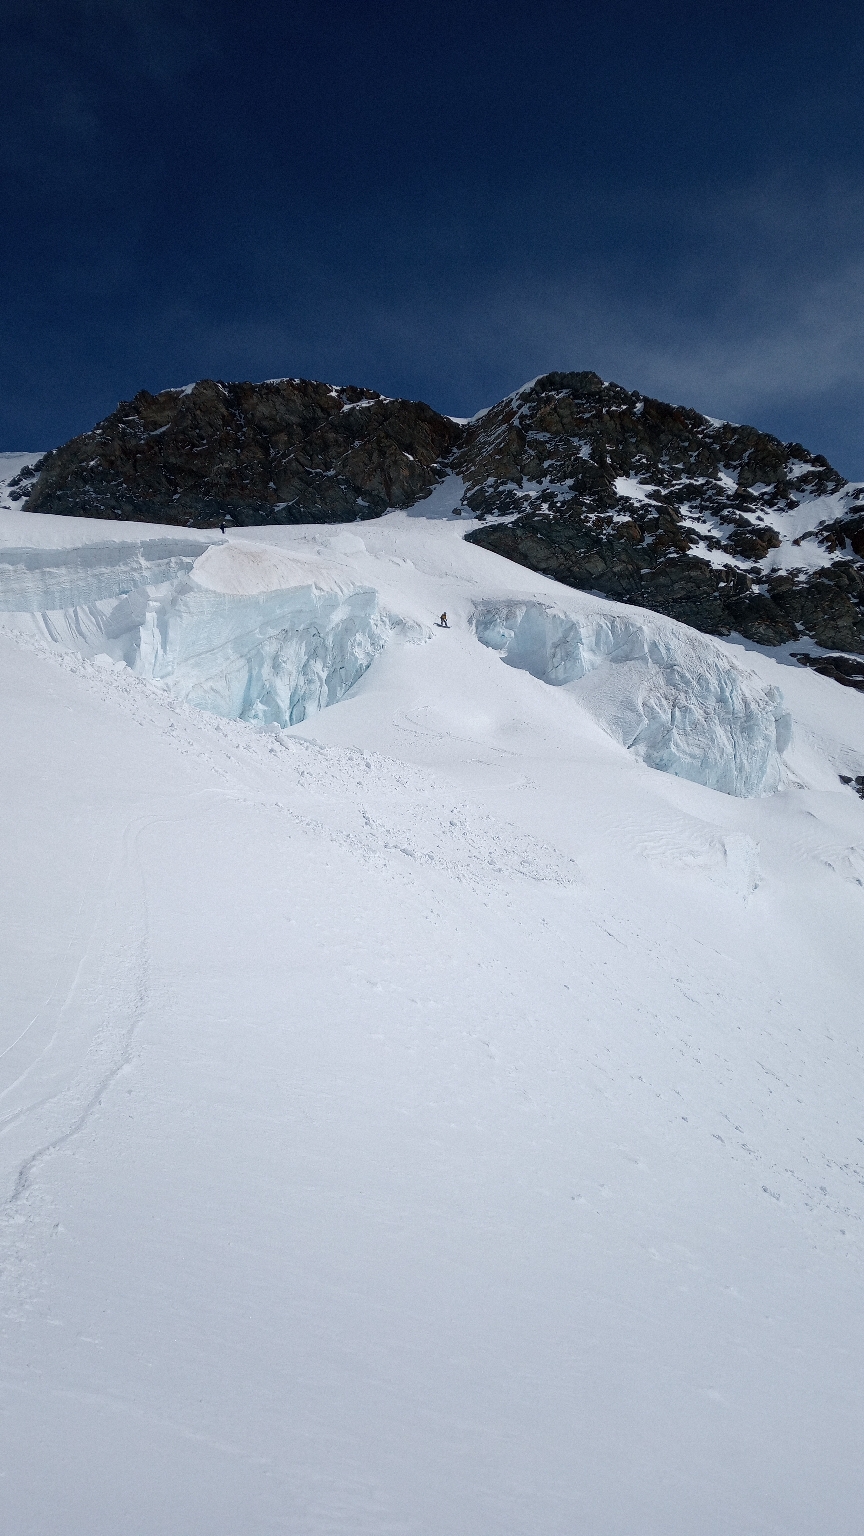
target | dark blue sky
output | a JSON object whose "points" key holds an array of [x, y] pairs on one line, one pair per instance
{"points": [[438, 200]]}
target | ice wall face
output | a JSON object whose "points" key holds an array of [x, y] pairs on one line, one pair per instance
{"points": [[668, 694], [277, 656], [36, 580], [248, 634]]}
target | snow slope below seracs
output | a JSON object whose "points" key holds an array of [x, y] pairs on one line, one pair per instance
{"points": [[426, 1117], [256, 633]]}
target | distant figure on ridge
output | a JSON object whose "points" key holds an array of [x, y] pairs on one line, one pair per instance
{"points": [[443, 621]]}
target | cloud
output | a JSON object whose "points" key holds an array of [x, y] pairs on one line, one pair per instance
{"points": [[756, 300], [814, 345]]}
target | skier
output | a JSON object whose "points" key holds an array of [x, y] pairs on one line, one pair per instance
{"points": [[222, 525], [443, 621]]}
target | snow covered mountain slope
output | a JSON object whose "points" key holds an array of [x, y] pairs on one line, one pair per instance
{"points": [[721, 526], [255, 634], [426, 1117]]}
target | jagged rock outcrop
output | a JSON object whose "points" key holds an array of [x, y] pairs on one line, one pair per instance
{"points": [[723, 527], [286, 451], [720, 526]]}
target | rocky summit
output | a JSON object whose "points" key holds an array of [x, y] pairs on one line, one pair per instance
{"points": [[286, 451], [721, 526]]}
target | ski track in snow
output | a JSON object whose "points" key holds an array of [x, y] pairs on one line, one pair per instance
{"points": [[117, 998], [425, 1117]]}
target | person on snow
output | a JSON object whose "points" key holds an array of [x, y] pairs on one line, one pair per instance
{"points": [[443, 621]]}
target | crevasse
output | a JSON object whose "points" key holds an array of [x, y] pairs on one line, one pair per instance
{"points": [[255, 632]]}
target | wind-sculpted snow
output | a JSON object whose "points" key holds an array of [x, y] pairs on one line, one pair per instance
{"points": [[248, 633], [667, 693]]}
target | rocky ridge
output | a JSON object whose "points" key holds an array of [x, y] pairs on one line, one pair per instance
{"points": [[723, 527], [285, 451]]}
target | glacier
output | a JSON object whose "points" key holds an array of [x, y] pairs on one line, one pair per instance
{"points": [[253, 632], [247, 633], [36, 580], [426, 1118], [667, 693]]}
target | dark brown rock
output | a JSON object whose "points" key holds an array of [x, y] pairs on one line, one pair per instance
{"points": [[847, 670], [610, 491], [287, 451]]}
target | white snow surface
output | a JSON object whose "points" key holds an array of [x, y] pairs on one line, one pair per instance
{"points": [[634, 488], [251, 631], [425, 1117]]}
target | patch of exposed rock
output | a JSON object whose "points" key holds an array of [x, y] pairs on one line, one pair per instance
{"points": [[287, 451], [844, 669]]}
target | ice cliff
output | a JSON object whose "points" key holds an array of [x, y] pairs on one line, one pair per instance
{"points": [[673, 697], [245, 631], [264, 633]]}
